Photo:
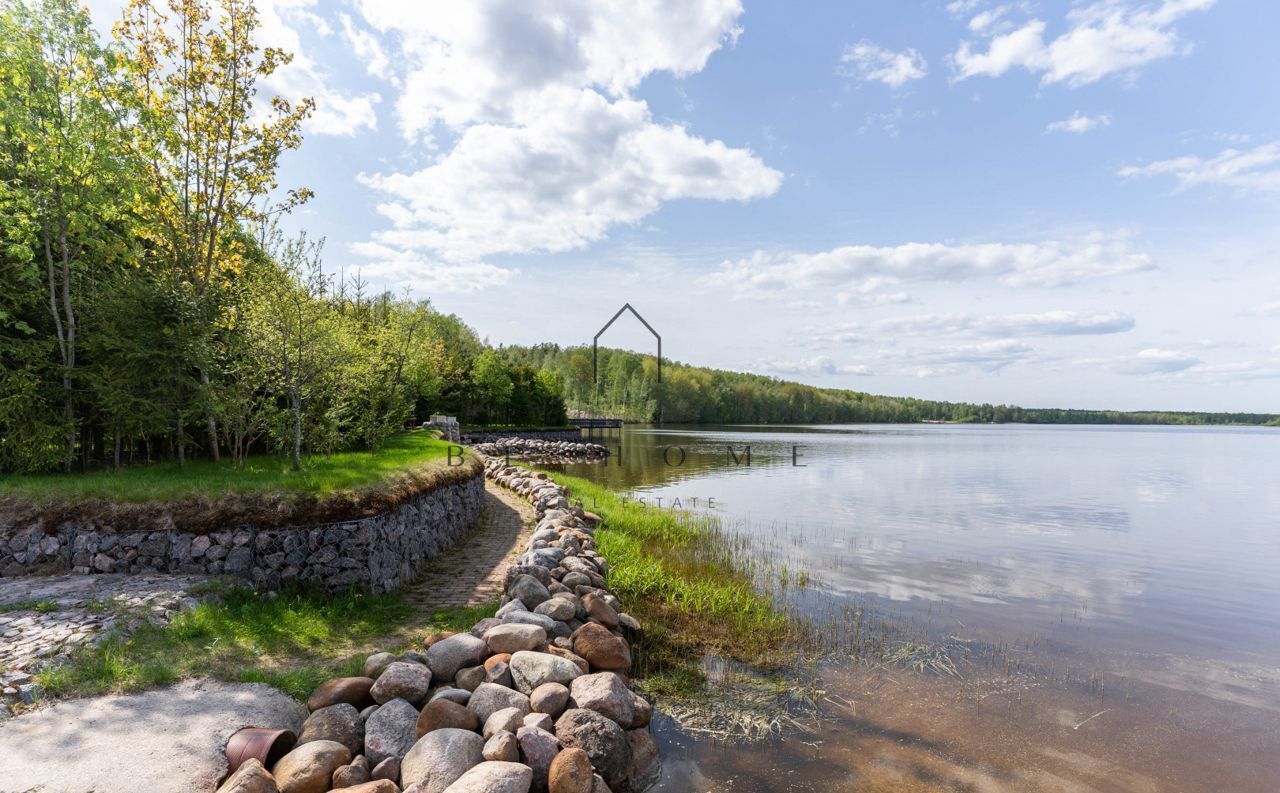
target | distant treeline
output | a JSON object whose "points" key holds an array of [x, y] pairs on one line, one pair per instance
{"points": [[628, 389]]}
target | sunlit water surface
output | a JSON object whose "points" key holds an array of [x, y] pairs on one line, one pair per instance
{"points": [[1146, 557]]}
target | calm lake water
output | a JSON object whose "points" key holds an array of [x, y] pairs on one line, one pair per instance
{"points": [[1145, 556]]}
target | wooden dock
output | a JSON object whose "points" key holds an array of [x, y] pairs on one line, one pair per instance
{"points": [[597, 423]]}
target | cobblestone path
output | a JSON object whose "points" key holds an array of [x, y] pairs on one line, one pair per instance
{"points": [[470, 573]]}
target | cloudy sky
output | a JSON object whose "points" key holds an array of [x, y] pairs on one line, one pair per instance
{"points": [[1066, 204]]}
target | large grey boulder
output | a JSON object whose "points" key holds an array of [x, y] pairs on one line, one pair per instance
{"points": [[440, 757], [489, 698], [537, 749], [341, 723], [404, 680], [447, 656], [646, 765], [390, 731], [530, 670], [530, 618], [514, 637], [607, 694], [603, 741], [309, 767], [529, 591], [494, 777]]}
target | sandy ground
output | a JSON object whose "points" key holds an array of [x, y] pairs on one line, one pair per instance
{"points": [[165, 741]]}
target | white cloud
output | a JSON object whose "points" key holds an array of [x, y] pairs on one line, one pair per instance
{"points": [[337, 112], [560, 181], [868, 61], [548, 149], [486, 62], [1048, 323], [402, 268], [1271, 309], [1256, 170], [1080, 123], [866, 273], [368, 48], [1104, 38], [949, 360], [819, 365]]}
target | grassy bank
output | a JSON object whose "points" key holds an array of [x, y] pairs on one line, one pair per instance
{"points": [[322, 476], [695, 589], [293, 641]]}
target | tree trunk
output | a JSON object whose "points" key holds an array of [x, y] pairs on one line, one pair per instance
{"points": [[117, 452], [182, 444], [296, 399], [210, 420]]}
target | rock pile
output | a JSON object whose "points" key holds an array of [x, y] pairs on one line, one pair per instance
{"points": [[531, 700], [542, 450]]}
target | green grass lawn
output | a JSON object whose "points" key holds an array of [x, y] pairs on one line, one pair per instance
{"points": [[322, 476], [294, 641]]}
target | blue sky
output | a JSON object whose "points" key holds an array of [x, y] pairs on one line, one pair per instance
{"points": [[1043, 203]]}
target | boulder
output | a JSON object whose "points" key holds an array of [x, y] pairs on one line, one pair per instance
{"points": [[607, 694], [341, 723], [570, 772], [568, 654], [470, 677], [490, 698], [529, 591], [602, 649], [440, 757], [604, 742], [530, 618], [505, 720], [376, 786], [390, 731], [251, 777], [497, 658], [530, 670], [442, 713], [644, 713], [447, 656], [499, 674], [309, 767], [598, 784], [458, 695], [513, 637], [600, 610], [354, 773], [549, 698], [376, 663], [351, 690], [481, 627], [502, 746], [388, 769], [540, 720], [538, 748], [402, 680], [557, 608], [494, 777], [646, 765]]}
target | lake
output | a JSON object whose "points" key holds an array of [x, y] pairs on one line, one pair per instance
{"points": [[1129, 577]]}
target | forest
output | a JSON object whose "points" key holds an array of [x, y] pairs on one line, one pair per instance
{"points": [[153, 309], [628, 388]]}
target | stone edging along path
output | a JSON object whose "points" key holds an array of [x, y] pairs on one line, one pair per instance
{"points": [[533, 699]]}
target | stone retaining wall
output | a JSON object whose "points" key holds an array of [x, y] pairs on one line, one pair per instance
{"points": [[375, 554], [535, 699]]}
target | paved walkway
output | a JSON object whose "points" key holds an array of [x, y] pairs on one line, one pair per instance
{"points": [[470, 573], [45, 617], [168, 740]]}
